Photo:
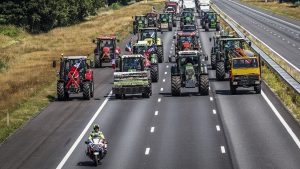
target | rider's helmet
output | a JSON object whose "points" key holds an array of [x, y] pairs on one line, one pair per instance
{"points": [[96, 127]]}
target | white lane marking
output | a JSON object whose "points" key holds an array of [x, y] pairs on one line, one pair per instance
{"points": [[147, 151], [152, 129], [265, 14], [294, 44], [211, 99], [156, 113], [283, 39], [159, 100], [170, 52], [223, 150], [279, 36], [214, 111], [66, 157], [164, 80], [299, 48], [166, 73], [172, 48], [218, 127], [167, 66], [161, 89], [208, 87], [286, 126]]}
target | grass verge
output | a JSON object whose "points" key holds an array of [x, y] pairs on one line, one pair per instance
{"points": [[28, 81], [285, 9], [283, 91]]}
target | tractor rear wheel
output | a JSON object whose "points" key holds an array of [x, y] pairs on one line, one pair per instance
{"points": [[175, 85], [203, 84], [92, 89], [220, 72], [154, 73], [213, 60], [160, 54], [232, 89], [206, 27], [257, 89], [217, 27], [86, 89], [61, 91]]}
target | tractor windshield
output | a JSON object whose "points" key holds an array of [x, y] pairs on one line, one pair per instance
{"points": [[187, 14], [211, 16], [233, 44], [164, 17], [189, 28], [132, 64], [245, 63], [148, 34], [183, 39], [74, 62], [140, 49], [185, 59], [106, 43]]}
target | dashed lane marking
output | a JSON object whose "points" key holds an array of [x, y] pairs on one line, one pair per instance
{"points": [[166, 73], [161, 89], [147, 151], [159, 100], [218, 127], [152, 129], [211, 99], [223, 150], [164, 80], [167, 66], [156, 113], [214, 111]]}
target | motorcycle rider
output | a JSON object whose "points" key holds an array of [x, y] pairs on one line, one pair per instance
{"points": [[96, 133]]}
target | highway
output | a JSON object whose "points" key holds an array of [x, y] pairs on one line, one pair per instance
{"points": [[217, 131], [282, 36]]}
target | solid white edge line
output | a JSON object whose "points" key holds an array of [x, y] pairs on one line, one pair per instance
{"points": [[147, 151], [214, 111], [152, 129], [263, 43], [223, 150], [69, 153], [283, 122], [156, 113]]}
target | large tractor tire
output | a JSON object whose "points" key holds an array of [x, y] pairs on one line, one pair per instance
{"points": [[175, 85], [174, 24], [154, 73], [147, 93], [206, 27], [118, 96], [232, 89], [92, 88], [203, 85], [86, 90], [213, 61], [160, 54], [220, 72], [257, 89], [217, 27], [61, 95], [170, 28]]}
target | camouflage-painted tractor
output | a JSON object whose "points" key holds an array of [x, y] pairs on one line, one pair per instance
{"points": [[189, 72], [150, 35], [140, 21], [75, 76], [210, 20], [150, 58]]}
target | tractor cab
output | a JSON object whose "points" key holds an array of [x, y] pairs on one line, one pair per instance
{"points": [[140, 48], [149, 35], [187, 17], [210, 20], [172, 6], [152, 19], [165, 21], [186, 41], [140, 21]]}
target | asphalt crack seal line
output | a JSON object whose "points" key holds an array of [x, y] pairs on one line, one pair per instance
{"points": [[69, 153]]}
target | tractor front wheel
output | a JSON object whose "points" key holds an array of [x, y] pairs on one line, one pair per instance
{"points": [[220, 72], [61, 95], [217, 27], [160, 54], [206, 27], [86, 89], [175, 86], [154, 73], [203, 84], [232, 89], [257, 89]]}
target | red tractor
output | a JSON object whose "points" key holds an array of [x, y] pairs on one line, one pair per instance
{"points": [[173, 5], [106, 50], [75, 76]]}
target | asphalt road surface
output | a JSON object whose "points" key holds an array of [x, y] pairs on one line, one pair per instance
{"points": [[282, 36], [217, 131]]}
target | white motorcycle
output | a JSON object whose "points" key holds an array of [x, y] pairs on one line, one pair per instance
{"points": [[96, 149]]}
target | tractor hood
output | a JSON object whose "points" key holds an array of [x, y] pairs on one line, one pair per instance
{"points": [[131, 78]]}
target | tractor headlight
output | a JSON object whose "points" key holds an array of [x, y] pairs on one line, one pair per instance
{"points": [[257, 82], [234, 83]]}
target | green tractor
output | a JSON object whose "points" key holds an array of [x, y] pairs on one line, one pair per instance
{"points": [[189, 72], [150, 58], [210, 20], [140, 21], [131, 77], [187, 18], [165, 22], [215, 48], [226, 45], [150, 35]]}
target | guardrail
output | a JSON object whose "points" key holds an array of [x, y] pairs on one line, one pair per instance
{"points": [[269, 61]]}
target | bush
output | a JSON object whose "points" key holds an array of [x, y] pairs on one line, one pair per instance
{"points": [[9, 31], [115, 6]]}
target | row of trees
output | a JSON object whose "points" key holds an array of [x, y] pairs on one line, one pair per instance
{"points": [[43, 15]]}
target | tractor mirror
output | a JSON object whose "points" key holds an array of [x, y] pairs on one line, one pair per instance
{"points": [[92, 64], [250, 43], [210, 39], [54, 64]]}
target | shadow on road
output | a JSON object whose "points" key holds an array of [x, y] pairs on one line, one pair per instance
{"points": [[87, 163]]}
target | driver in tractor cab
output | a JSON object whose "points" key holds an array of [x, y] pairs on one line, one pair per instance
{"points": [[94, 134]]}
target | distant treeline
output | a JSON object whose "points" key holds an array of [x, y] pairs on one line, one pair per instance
{"points": [[43, 15]]}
